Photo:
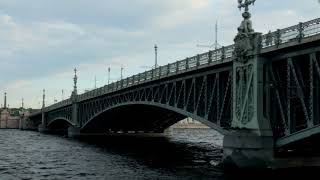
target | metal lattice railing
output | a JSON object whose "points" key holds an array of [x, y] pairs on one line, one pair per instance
{"points": [[276, 38]]}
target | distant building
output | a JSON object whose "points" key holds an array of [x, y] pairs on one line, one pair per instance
{"points": [[189, 123], [12, 118]]}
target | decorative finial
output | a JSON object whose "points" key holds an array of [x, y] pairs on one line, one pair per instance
{"points": [[75, 79], [245, 4], [246, 24], [246, 41]]}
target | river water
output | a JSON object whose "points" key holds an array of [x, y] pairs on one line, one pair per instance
{"points": [[183, 154]]}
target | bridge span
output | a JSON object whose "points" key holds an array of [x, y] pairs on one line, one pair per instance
{"points": [[262, 93]]}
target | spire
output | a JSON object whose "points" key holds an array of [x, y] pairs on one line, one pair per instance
{"points": [[5, 100], [75, 79], [43, 98]]}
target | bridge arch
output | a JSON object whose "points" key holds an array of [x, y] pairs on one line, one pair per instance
{"points": [[60, 122], [156, 109]]}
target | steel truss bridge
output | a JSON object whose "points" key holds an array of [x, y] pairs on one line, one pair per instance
{"points": [[206, 87]]}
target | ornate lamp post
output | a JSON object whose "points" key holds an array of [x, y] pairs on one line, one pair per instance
{"points": [[121, 74], [252, 140], [155, 56], [5, 100], [75, 80], [109, 70], [43, 98], [244, 41], [245, 4]]}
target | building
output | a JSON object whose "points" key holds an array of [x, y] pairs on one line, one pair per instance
{"points": [[12, 118]]}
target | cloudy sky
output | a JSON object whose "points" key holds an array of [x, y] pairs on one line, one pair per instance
{"points": [[41, 41]]}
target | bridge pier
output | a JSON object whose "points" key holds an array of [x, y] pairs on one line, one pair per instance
{"points": [[250, 143], [74, 132], [43, 129], [243, 149]]}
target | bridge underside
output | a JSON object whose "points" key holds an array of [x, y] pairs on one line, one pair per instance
{"points": [[59, 126], [138, 118]]}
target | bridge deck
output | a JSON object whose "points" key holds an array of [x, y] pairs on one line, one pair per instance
{"points": [[282, 44]]}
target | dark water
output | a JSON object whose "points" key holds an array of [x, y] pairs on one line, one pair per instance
{"points": [[184, 154]]}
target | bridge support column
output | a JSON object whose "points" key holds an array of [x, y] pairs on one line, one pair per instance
{"points": [[74, 132], [243, 149], [42, 128], [250, 143]]}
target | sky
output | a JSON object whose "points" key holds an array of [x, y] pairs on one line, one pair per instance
{"points": [[42, 41]]}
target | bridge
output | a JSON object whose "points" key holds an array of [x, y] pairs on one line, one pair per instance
{"points": [[262, 94]]}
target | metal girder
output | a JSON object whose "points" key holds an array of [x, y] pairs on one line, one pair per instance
{"points": [[280, 100], [204, 96], [295, 84]]}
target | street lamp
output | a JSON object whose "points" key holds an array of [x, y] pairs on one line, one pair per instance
{"points": [[156, 56], [121, 72], [109, 69], [62, 94], [95, 82]]}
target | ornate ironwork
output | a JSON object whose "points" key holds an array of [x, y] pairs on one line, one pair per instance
{"points": [[245, 4], [245, 40], [293, 86], [281, 36], [269, 39]]}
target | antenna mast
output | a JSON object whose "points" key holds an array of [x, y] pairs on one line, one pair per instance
{"points": [[216, 36], [216, 44]]}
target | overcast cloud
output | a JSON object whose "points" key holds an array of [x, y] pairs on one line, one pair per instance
{"points": [[43, 40]]}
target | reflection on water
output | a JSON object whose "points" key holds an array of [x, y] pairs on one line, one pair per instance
{"points": [[184, 154]]}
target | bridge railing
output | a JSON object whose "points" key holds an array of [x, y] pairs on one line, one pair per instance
{"points": [[177, 67], [276, 38], [292, 33], [59, 104]]}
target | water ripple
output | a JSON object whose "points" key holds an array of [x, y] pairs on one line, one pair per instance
{"points": [[182, 155]]}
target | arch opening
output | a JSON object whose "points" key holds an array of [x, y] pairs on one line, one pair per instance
{"points": [[59, 126], [140, 117], [133, 118]]}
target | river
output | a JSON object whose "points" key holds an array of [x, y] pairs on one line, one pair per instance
{"points": [[183, 154]]}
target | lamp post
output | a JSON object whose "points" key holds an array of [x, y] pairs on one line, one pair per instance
{"points": [[5, 100], [121, 73], [156, 56], [43, 98], [75, 80], [245, 4], [109, 70]]}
